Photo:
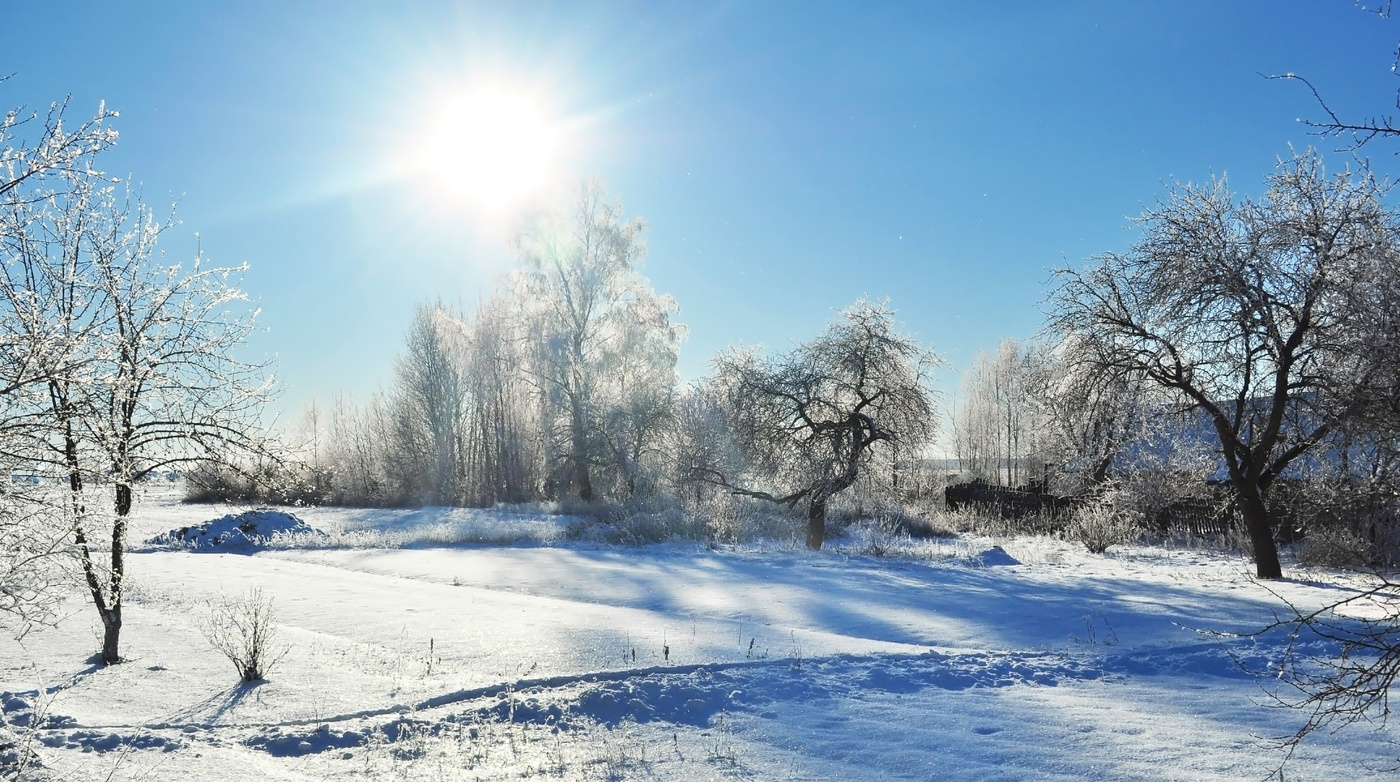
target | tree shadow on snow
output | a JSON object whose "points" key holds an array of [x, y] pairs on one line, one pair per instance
{"points": [[209, 710], [911, 603]]}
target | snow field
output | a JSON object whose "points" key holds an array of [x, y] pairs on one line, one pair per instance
{"points": [[437, 662]]}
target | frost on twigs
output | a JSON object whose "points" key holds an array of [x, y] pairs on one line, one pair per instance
{"points": [[244, 629], [1101, 523]]}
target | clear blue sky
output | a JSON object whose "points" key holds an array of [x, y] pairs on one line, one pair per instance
{"points": [[789, 157]]}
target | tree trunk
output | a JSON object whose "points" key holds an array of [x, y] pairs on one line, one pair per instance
{"points": [[816, 523], [1261, 534], [111, 635], [579, 441], [112, 616], [123, 500]]}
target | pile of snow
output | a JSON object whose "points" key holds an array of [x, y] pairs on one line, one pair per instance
{"points": [[995, 556], [242, 532]]}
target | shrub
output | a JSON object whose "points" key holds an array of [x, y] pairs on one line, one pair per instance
{"points": [[1370, 544], [634, 524], [1101, 523], [244, 630]]}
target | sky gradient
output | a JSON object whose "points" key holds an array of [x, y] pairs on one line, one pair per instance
{"points": [[788, 157]]}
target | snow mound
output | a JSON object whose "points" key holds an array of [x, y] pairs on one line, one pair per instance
{"points": [[242, 532], [992, 557]]}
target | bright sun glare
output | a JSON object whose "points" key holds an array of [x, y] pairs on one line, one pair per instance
{"points": [[491, 146]]}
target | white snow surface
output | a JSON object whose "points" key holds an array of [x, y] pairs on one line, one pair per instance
{"points": [[442, 644]]}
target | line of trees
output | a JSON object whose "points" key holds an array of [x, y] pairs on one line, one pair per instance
{"points": [[1243, 341], [562, 386]]}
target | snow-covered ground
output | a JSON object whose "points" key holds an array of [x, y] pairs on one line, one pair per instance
{"points": [[414, 655]]}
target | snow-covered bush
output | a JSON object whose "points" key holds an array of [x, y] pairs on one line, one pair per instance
{"points": [[244, 629], [1101, 523], [885, 537]]}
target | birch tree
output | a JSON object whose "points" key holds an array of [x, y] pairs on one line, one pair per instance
{"points": [[430, 404], [606, 346], [994, 425]]}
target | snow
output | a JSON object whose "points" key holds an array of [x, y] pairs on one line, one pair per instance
{"points": [[237, 532], [482, 645]]}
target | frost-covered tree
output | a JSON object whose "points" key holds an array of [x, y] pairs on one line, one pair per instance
{"points": [[165, 386], [34, 152], [32, 567], [810, 420], [605, 344], [429, 403], [355, 446], [120, 364], [46, 314], [504, 443], [995, 429], [1265, 316], [1087, 417]]}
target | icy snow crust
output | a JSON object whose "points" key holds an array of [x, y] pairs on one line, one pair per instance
{"points": [[425, 659]]}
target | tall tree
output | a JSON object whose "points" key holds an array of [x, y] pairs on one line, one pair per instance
{"points": [[46, 313], [809, 420], [1258, 314], [122, 365], [994, 430], [504, 443], [605, 341], [167, 388], [1087, 417], [430, 398]]}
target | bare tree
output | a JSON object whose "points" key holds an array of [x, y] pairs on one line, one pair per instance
{"points": [[808, 421], [1255, 314], [356, 440], [1361, 131], [994, 426], [1087, 416], [430, 402], [119, 365], [166, 388], [505, 443], [33, 151], [606, 344], [51, 315], [41, 162]]}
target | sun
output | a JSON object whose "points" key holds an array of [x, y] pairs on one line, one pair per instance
{"points": [[491, 146]]}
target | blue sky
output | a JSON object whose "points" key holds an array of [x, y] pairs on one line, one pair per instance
{"points": [[789, 157]]}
